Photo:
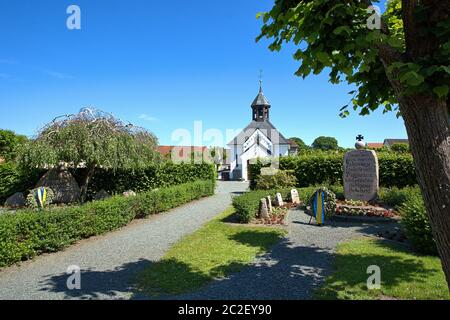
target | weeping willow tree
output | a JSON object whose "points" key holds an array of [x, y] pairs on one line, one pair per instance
{"points": [[90, 139]]}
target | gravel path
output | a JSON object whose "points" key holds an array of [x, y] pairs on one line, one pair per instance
{"points": [[107, 262], [294, 267]]}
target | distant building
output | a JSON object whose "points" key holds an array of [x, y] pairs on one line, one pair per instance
{"points": [[375, 145], [293, 147], [260, 139], [182, 152], [390, 142]]}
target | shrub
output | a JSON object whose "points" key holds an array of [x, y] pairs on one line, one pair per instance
{"points": [[27, 233], [417, 226], [395, 197], [281, 179], [320, 168], [247, 205], [14, 179], [330, 201], [400, 147]]}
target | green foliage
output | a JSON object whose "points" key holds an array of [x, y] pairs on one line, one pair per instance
{"points": [[417, 225], [325, 143], [400, 147], [27, 233], [396, 197], [15, 179], [300, 143], [9, 142], [329, 199], [94, 138], [327, 169], [247, 205], [281, 179], [334, 36]]}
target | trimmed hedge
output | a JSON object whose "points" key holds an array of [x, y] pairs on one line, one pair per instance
{"points": [[13, 179], [28, 233], [396, 170]]}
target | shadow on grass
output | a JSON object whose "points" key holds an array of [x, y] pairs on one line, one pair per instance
{"points": [[350, 278]]}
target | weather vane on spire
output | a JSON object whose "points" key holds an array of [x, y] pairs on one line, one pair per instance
{"points": [[260, 79]]}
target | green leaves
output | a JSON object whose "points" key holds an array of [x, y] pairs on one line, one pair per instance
{"points": [[441, 91], [412, 78], [334, 35]]}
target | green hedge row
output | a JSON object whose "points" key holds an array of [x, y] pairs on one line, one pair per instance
{"points": [[396, 170], [27, 233], [13, 179]]}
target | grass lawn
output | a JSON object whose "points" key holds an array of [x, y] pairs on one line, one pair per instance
{"points": [[404, 274], [214, 251]]}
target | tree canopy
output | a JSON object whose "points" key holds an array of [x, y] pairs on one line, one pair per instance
{"points": [[325, 143], [333, 36], [9, 141], [300, 143]]}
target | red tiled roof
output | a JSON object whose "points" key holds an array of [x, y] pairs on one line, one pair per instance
{"points": [[167, 150], [375, 145]]}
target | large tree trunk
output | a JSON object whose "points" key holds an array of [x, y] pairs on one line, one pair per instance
{"points": [[85, 182], [427, 122]]}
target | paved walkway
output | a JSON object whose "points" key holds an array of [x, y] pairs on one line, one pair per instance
{"points": [[294, 267], [108, 261]]}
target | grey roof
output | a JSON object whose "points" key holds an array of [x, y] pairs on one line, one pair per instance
{"points": [[390, 142], [260, 99], [267, 129]]}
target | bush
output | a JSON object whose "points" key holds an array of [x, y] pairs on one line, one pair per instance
{"points": [[247, 205], [279, 180], [400, 147], [13, 179], [27, 233], [417, 226], [320, 168], [395, 197]]}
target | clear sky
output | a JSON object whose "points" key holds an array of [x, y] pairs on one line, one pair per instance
{"points": [[163, 65]]}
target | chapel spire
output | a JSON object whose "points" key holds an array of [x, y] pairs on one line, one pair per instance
{"points": [[260, 105]]}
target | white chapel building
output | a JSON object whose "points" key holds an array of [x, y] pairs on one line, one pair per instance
{"points": [[260, 139]]}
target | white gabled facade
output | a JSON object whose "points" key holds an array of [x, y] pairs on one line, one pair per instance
{"points": [[260, 139]]}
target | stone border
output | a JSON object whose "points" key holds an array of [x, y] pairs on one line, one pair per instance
{"points": [[365, 219]]}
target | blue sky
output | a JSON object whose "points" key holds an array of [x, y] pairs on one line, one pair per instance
{"points": [[163, 65]]}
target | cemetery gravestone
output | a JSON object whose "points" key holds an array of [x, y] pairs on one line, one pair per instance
{"points": [[295, 197], [263, 209], [279, 200], [269, 203]]}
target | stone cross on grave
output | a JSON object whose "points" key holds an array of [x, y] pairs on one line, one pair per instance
{"points": [[359, 138]]}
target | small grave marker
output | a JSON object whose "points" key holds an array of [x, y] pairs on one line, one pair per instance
{"points": [[295, 197]]}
